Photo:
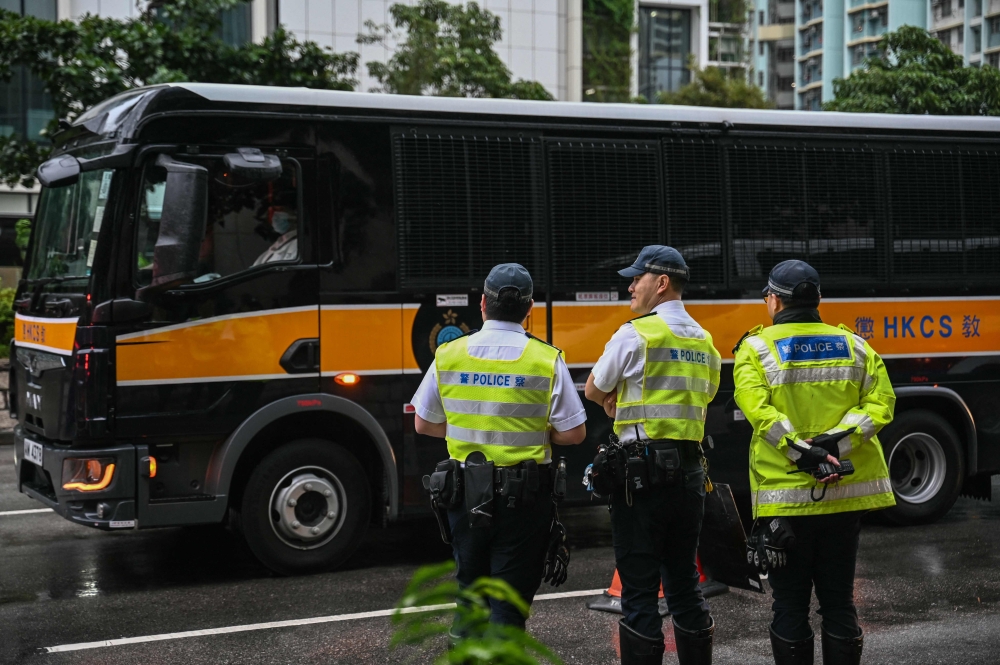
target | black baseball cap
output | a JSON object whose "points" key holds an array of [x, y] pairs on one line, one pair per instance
{"points": [[658, 259], [509, 275], [789, 274]]}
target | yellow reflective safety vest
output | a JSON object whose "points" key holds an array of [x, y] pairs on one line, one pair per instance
{"points": [[500, 407], [680, 377], [795, 381]]}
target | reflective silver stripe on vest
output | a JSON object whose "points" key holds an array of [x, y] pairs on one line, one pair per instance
{"points": [[861, 360], [490, 438], [491, 380], [647, 411], [477, 407], [833, 493], [861, 420], [816, 375], [659, 354], [769, 362], [778, 431], [688, 383]]}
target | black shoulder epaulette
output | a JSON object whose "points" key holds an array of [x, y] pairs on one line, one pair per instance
{"points": [[530, 336], [641, 317], [848, 329], [752, 331]]}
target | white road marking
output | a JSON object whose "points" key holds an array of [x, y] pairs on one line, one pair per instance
{"points": [[82, 646], [30, 511]]}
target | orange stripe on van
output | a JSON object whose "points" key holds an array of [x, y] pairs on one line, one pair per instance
{"points": [[363, 339], [244, 346], [894, 327], [53, 335]]}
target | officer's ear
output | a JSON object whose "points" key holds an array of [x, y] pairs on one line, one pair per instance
{"points": [[662, 283]]}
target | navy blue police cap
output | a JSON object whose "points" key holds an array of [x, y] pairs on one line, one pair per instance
{"points": [[660, 260], [787, 275], [509, 275]]}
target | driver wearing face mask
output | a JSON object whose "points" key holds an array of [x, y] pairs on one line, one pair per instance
{"points": [[286, 247]]}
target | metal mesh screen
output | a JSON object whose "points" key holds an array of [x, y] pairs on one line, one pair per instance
{"points": [[981, 208], [925, 201], [465, 203], [694, 184], [820, 205], [605, 205]]}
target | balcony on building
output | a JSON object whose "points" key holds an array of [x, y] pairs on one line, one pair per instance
{"points": [[781, 11], [812, 10], [868, 25], [946, 14], [811, 40], [992, 7]]}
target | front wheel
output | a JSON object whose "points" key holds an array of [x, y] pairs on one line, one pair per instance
{"points": [[305, 507], [926, 467]]}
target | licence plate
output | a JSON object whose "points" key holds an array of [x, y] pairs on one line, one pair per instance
{"points": [[33, 451]]}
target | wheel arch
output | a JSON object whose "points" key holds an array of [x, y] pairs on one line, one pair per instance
{"points": [[950, 406], [308, 415]]}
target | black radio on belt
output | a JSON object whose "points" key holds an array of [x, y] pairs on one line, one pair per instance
{"points": [[638, 474], [666, 466]]}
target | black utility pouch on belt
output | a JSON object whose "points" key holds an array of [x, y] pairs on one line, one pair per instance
{"points": [[608, 471], [445, 484], [479, 490], [519, 484], [666, 466], [638, 475]]}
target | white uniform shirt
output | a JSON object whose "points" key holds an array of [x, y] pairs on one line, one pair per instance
{"points": [[500, 340], [624, 359]]}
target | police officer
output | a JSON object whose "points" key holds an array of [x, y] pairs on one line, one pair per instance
{"points": [[656, 377], [504, 394], [798, 380]]}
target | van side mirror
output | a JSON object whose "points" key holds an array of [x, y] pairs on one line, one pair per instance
{"points": [[59, 171], [182, 222]]}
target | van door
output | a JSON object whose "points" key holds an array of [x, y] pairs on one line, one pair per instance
{"points": [[196, 357]]}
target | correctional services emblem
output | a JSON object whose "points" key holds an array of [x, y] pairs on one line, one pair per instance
{"points": [[446, 330]]}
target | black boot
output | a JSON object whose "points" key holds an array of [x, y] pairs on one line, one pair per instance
{"points": [[694, 647], [638, 649], [792, 653], [842, 650]]}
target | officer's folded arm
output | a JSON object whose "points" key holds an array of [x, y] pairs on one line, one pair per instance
{"points": [[605, 399]]}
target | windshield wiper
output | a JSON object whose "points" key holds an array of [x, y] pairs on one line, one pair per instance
{"points": [[42, 281]]}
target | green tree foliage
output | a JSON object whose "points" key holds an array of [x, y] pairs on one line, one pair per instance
{"points": [[913, 72], [447, 50], [607, 50], [6, 320], [81, 64], [712, 87], [432, 600], [22, 234]]}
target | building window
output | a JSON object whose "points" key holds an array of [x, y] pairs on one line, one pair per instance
{"points": [[760, 20], [25, 107], [786, 54], [236, 29], [976, 33], [993, 60], [664, 49], [760, 79], [761, 47], [977, 8]]}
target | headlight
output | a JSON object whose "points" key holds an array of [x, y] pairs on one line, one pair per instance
{"points": [[87, 474]]}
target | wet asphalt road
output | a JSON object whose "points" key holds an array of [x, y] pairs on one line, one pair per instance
{"points": [[926, 594]]}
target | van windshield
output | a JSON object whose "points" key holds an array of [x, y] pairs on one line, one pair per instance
{"points": [[66, 227]]}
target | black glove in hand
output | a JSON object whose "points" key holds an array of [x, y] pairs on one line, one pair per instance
{"points": [[811, 457], [772, 539], [557, 556]]}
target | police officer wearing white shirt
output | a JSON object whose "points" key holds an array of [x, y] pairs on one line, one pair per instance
{"points": [[656, 376], [485, 393]]}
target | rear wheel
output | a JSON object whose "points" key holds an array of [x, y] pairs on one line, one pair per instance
{"points": [[926, 467], [306, 507]]}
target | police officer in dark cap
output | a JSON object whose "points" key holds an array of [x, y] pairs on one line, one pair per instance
{"points": [[815, 394], [655, 378]]}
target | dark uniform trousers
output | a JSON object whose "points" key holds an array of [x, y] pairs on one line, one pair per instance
{"points": [[656, 538], [824, 556], [512, 549]]}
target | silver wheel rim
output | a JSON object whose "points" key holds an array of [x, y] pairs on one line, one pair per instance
{"points": [[917, 468], [307, 507]]}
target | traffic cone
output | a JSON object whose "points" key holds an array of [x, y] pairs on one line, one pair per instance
{"points": [[611, 600]]}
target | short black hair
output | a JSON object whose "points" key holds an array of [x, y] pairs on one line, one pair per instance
{"points": [[677, 283], [507, 306], [803, 295]]}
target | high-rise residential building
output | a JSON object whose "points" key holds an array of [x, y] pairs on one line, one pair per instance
{"points": [[827, 39]]}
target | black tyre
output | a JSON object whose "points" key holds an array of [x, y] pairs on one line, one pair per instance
{"points": [[305, 508], [926, 467]]}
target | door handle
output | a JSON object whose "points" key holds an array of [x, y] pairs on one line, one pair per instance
{"points": [[302, 357]]}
